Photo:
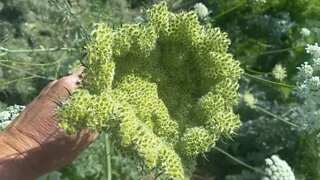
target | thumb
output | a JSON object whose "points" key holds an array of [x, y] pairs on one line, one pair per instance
{"points": [[63, 87]]}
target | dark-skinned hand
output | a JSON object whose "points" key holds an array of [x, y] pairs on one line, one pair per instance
{"points": [[34, 144]]}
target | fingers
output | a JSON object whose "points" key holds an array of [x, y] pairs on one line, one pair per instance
{"points": [[62, 88], [67, 85], [79, 141], [84, 138], [44, 90], [42, 110], [78, 73]]}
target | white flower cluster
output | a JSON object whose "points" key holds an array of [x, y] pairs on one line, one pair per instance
{"points": [[9, 115], [249, 99], [201, 10], [277, 169], [307, 89], [279, 72], [260, 1], [313, 50], [305, 32]]}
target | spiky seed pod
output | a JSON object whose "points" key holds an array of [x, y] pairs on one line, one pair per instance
{"points": [[165, 90]]}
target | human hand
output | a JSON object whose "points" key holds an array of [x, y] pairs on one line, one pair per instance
{"points": [[34, 142]]}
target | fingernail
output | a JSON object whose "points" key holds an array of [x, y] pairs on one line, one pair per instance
{"points": [[78, 83], [80, 75]]}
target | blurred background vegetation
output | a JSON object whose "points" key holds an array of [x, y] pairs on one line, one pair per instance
{"points": [[41, 40]]}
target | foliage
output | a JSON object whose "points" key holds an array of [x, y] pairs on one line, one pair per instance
{"points": [[41, 39], [92, 164], [265, 35], [307, 89], [274, 168], [159, 101], [268, 38], [55, 175], [22, 30], [7, 116]]}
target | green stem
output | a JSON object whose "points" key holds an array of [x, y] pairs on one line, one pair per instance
{"points": [[259, 43], [231, 9], [36, 50], [29, 73], [268, 81], [280, 50], [277, 117], [270, 52], [108, 157], [58, 65], [239, 161], [28, 64], [258, 72], [17, 80], [68, 5]]}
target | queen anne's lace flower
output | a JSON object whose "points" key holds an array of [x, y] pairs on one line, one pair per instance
{"points": [[315, 82], [201, 10], [307, 89], [313, 50], [249, 99], [306, 70], [305, 32], [279, 72], [9, 115], [277, 169], [260, 1]]}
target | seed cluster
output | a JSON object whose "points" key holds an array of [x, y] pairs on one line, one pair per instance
{"points": [[164, 90]]}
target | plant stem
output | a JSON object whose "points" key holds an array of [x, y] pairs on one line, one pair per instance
{"points": [[231, 9], [239, 161], [268, 81], [28, 64], [17, 80], [258, 72], [29, 73], [280, 50], [108, 157], [270, 52], [275, 116], [36, 50]]}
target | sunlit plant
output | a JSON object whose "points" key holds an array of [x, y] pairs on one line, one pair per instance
{"points": [[164, 90]]}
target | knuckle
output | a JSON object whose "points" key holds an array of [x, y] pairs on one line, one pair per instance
{"points": [[52, 83], [63, 81]]}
